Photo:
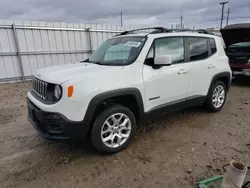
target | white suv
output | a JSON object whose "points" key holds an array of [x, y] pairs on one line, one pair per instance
{"points": [[127, 78]]}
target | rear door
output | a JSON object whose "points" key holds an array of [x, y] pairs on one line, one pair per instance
{"points": [[202, 65]]}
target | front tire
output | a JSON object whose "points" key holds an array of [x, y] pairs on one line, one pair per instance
{"points": [[216, 97], [113, 129]]}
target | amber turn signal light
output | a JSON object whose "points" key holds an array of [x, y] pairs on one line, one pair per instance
{"points": [[70, 91]]}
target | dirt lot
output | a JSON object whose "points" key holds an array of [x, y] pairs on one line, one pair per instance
{"points": [[173, 150]]}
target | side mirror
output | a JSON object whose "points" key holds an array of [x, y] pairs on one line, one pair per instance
{"points": [[163, 60]]}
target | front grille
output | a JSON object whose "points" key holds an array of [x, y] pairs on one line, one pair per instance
{"points": [[39, 87]]}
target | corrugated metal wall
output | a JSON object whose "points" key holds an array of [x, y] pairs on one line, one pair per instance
{"points": [[37, 44]]}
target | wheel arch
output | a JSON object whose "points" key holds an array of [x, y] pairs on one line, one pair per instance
{"points": [[103, 98], [224, 77]]}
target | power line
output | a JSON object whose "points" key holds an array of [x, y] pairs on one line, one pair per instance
{"points": [[222, 12]]}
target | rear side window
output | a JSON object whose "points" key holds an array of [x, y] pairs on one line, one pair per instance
{"points": [[212, 46], [198, 48]]}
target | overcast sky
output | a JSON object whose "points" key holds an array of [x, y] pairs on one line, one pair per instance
{"points": [[201, 13]]}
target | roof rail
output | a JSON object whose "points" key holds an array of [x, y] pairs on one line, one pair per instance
{"points": [[164, 30], [202, 31], [156, 30]]}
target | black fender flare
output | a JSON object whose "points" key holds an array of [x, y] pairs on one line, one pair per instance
{"points": [[221, 75], [95, 101]]}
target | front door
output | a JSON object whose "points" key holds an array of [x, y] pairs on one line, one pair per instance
{"points": [[166, 85]]}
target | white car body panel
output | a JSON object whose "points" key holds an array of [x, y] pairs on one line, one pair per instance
{"points": [[165, 84], [202, 71]]}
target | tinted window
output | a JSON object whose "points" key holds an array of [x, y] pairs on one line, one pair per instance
{"points": [[240, 45], [198, 48], [173, 46], [212, 46]]}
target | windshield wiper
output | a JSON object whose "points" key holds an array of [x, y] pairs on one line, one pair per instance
{"points": [[85, 61], [94, 62]]}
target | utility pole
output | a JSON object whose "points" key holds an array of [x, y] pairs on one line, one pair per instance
{"points": [[228, 12], [222, 12], [121, 19], [181, 21]]}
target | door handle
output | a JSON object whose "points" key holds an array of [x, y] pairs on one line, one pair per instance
{"points": [[182, 71], [211, 66]]}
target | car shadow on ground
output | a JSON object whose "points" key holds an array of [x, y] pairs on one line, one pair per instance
{"points": [[84, 148], [164, 119], [242, 81]]}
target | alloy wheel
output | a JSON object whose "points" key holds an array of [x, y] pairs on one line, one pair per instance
{"points": [[116, 130]]}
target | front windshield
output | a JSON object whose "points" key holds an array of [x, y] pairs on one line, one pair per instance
{"points": [[240, 45], [118, 51]]}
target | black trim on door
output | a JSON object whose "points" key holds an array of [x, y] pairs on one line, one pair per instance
{"points": [[209, 48], [186, 50], [168, 107], [196, 100], [176, 105]]}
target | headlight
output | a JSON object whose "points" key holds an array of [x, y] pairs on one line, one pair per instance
{"points": [[57, 92]]}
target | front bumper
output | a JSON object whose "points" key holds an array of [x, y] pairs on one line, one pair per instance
{"points": [[55, 126]]}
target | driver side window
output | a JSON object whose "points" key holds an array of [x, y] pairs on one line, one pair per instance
{"points": [[173, 46]]}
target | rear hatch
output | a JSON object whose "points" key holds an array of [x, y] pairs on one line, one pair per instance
{"points": [[237, 41]]}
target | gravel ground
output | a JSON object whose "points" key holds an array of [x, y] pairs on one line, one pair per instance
{"points": [[172, 150]]}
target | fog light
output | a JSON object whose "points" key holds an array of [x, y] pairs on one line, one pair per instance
{"points": [[55, 128]]}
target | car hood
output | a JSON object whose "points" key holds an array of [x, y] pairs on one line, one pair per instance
{"points": [[236, 33], [63, 73]]}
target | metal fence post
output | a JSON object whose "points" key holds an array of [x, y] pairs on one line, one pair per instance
{"points": [[90, 41], [18, 51]]}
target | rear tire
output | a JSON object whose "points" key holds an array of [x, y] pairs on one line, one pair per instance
{"points": [[113, 129], [216, 96]]}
